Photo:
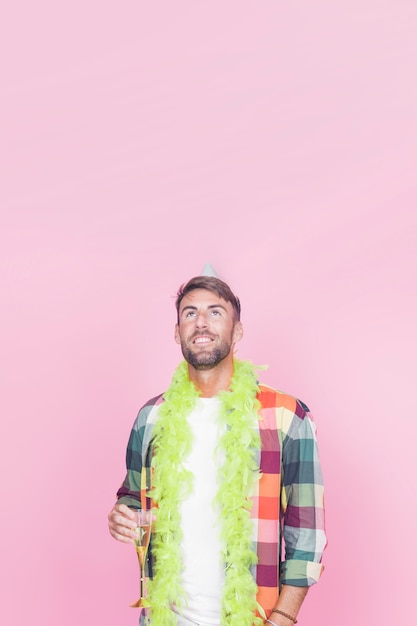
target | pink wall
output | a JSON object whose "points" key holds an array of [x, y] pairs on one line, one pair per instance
{"points": [[277, 140]]}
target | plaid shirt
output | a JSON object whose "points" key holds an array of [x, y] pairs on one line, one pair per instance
{"points": [[287, 505]]}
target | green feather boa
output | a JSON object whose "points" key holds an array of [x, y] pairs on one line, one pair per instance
{"points": [[172, 482]]}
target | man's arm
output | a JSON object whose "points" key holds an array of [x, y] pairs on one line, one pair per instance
{"points": [[303, 507], [302, 501], [289, 602], [121, 518]]}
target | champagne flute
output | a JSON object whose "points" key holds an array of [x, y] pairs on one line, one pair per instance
{"points": [[144, 521]]}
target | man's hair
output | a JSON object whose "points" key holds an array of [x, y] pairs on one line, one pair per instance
{"points": [[210, 283]]}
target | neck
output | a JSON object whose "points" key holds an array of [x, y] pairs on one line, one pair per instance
{"points": [[210, 382]]}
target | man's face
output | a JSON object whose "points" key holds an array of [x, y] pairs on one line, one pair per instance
{"points": [[206, 330]]}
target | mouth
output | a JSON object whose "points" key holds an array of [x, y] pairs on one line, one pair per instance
{"points": [[202, 340]]}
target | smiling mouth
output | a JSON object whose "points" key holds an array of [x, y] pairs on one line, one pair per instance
{"points": [[202, 339]]}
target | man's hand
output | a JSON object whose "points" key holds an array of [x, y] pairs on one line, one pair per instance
{"points": [[122, 523]]}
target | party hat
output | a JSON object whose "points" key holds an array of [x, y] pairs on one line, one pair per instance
{"points": [[209, 271]]}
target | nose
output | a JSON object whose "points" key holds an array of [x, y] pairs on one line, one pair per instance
{"points": [[201, 320]]}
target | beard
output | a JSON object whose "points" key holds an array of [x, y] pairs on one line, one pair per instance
{"points": [[206, 360]]}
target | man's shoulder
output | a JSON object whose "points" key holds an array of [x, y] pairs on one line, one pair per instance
{"points": [[147, 410], [269, 397], [152, 402]]}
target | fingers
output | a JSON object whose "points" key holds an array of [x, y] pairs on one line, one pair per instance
{"points": [[123, 509], [122, 523]]}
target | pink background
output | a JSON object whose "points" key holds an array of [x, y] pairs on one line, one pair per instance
{"points": [[277, 140]]}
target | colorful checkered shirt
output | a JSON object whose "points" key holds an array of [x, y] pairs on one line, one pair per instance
{"points": [[287, 505]]}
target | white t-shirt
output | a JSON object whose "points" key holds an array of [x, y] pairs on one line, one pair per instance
{"points": [[203, 575]]}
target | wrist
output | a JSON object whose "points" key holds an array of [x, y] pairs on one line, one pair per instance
{"points": [[288, 618]]}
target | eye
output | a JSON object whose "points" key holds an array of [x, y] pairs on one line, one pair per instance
{"points": [[216, 313], [190, 314]]}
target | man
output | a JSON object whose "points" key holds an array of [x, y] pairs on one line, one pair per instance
{"points": [[231, 469]]}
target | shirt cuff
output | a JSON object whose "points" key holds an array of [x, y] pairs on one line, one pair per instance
{"points": [[129, 501], [300, 573]]}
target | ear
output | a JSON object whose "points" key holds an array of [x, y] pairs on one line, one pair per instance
{"points": [[177, 334], [237, 332]]}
